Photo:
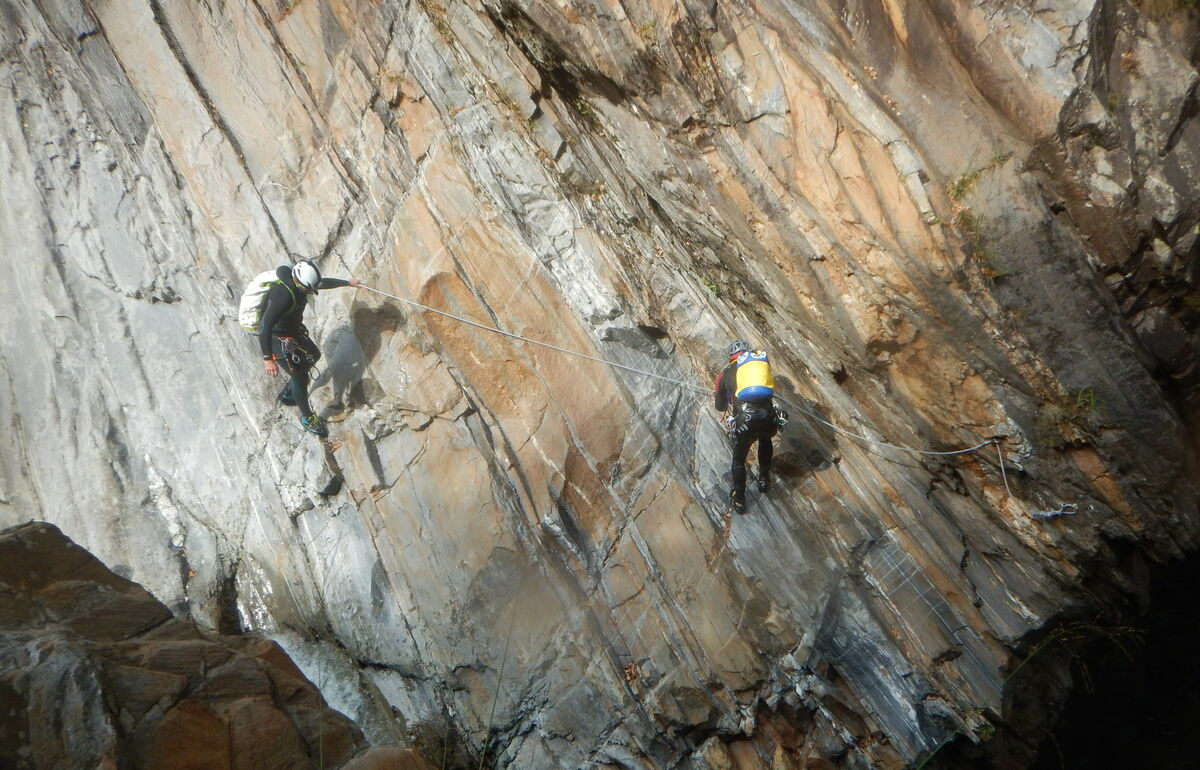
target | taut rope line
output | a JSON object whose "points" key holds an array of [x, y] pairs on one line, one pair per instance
{"points": [[485, 327], [696, 388]]}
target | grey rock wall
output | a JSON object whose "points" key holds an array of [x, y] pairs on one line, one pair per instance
{"points": [[948, 222]]}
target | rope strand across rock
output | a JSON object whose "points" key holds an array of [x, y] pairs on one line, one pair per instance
{"points": [[697, 388]]}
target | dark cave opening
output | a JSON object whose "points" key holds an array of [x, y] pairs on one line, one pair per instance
{"points": [[1136, 705]]}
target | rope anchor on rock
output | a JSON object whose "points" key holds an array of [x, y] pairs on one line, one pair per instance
{"points": [[1066, 509]]}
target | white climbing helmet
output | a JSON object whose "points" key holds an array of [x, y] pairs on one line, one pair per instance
{"points": [[306, 274]]}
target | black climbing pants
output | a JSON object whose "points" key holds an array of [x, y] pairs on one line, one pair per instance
{"points": [[749, 427], [297, 356]]}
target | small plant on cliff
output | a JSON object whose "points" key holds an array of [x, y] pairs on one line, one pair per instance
{"points": [[969, 226], [1130, 64], [712, 287], [959, 187], [967, 222], [288, 7], [438, 15], [1189, 305], [1085, 401], [1066, 421], [1076, 635], [990, 266]]}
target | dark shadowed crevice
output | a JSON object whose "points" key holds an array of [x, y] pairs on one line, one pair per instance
{"points": [[1134, 707], [229, 620], [1126, 693], [560, 72]]}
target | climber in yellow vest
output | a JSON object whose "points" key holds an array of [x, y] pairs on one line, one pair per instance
{"points": [[272, 307], [747, 387]]}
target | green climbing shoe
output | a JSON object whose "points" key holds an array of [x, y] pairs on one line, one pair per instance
{"points": [[314, 424]]}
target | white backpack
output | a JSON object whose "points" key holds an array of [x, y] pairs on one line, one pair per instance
{"points": [[254, 298]]}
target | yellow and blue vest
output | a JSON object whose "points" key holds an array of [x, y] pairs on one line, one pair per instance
{"points": [[752, 378]]}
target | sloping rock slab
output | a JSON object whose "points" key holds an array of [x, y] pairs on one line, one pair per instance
{"points": [[95, 672]]}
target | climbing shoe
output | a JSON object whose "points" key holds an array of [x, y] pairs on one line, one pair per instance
{"points": [[764, 483], [737, 502], [285, 396], [313, 424]]}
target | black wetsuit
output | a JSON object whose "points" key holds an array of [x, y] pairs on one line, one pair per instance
{"points": [[753, 421], [284, 336]]}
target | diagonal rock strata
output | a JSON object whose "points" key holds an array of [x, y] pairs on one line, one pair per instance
{"points": [[949, 222]]}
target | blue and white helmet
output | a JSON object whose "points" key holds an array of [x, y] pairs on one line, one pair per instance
{"points": [[738, 347], [306, 274]]}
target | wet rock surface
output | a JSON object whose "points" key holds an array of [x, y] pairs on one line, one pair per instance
{"points": [[949, 222]]}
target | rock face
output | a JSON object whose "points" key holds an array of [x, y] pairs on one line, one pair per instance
{"points": [[949, 222], [94, 672]]}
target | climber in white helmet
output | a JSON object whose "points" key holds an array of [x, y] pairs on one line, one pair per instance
{"points": [[284, 339]]}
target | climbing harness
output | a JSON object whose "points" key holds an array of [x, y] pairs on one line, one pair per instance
{"points": [[697, 389], [752, 416], [297, 353]]}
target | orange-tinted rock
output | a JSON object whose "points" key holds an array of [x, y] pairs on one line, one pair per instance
{"points": [[189, 736], [72, 696], [948, 222], [389, 759]]}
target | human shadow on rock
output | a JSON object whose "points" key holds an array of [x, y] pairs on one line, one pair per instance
{"points": [[373, 324], [803, 445], [343, 369]]}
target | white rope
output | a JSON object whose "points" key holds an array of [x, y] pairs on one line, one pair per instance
{"points": [[696, 388], [807, 413], [1003, 472], [485, 327]]}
